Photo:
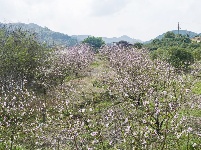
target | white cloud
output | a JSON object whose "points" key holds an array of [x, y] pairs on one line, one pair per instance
{"points": [[107, 7], [142, 19]]}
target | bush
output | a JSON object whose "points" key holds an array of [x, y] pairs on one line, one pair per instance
{"points": [[159, 54], [197, 54], [20, 56], [169, 35], [180, 58], [95, 42], [138, 45]]}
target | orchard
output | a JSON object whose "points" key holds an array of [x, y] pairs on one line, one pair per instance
{"points": [[78, 98]]}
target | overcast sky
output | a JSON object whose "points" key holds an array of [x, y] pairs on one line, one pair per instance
{"points": [[139, 19]]}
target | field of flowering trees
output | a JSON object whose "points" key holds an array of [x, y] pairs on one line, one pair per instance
{"points": [[72, 98]]}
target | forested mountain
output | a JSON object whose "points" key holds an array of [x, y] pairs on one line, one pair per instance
{"points": [[56, 38], [51, 38], [177, 49], [182, 32], [44, 34]]}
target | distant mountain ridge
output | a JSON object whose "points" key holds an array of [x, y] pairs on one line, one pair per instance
{"points": [[56, 38], [122, 38], [44, 34], [109, 40], [182, 32]]}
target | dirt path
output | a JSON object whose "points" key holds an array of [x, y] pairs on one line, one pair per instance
{"points": [[91, 81]]}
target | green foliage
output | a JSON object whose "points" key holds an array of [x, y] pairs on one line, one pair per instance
{"points": [[195, 112], [197, 88], [138, 45], [20, 56], [159, 54], [197, 53], [180, 58], [171, 40], [177, 49], [95, 64], [95, 42], [169, 35], [4, 147]]}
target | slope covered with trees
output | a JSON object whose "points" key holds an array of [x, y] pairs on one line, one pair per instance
{"points": [[190, 34], [44, 34], [179, 50]]}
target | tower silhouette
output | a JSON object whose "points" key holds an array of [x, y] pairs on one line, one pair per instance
{"points": [[178, 27]]}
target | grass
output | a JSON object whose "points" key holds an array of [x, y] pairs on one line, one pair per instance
{"points": [[95, 64], [194, 112], [197, 88]]}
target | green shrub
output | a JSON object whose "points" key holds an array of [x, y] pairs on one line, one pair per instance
{"points": [[95, 42], [180, 58]]}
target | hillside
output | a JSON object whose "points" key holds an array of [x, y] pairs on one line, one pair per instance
{"points": [[50, 37], [44, 34], [182, 32], [124, 38]]}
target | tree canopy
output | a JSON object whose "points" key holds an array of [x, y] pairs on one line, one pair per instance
{"points": [[20, 56], [95, 42], [176, 49]]}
